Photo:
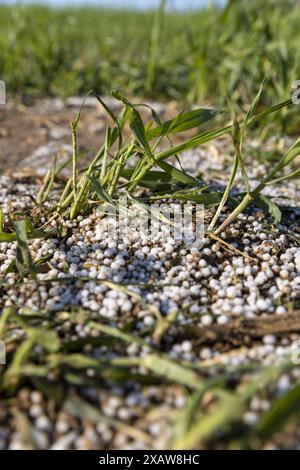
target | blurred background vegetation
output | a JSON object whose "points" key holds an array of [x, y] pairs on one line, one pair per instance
{"points": [[194, 56]]}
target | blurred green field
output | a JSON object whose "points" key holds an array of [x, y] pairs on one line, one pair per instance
{"points": [[207, 55]]}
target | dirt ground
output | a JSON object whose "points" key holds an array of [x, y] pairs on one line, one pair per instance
{"points": [[30, 136]]}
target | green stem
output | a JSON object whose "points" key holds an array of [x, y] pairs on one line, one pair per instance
{"points": [[154, 46], [74, 158], [226, 192], [66, 195], [119, 166], [85, 185], [248, 198]]}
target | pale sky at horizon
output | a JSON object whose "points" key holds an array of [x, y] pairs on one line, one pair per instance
{"points": [[176, 4]]}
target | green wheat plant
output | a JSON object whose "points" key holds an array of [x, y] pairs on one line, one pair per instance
{"points": [[146, 159]]}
